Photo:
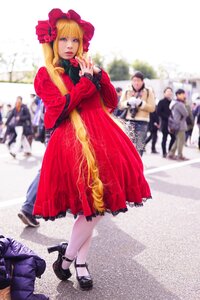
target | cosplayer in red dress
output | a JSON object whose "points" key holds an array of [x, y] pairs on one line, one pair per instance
{"points": [[90, 165], [119, 163]]}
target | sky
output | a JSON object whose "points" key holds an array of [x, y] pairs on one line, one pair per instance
{"points": [[160, 32]]}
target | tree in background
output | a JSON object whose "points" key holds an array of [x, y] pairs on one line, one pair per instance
{"points": [[98, 60], [22, 65], [2, 59], [118, 69], [18, 61], [145, 68]]}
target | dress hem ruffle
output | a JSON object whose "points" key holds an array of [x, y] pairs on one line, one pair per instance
{"points": [[89, 218]]}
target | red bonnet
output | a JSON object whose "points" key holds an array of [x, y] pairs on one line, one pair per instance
{"points": [[47, 32]]}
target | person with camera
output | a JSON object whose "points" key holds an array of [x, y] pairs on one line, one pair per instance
{"points": [[138, 101]]}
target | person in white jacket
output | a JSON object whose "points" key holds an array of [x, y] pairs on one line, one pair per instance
{"points": [[138, 102]]}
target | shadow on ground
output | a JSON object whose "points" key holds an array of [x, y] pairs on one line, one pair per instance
{"points": [[112, 262]]}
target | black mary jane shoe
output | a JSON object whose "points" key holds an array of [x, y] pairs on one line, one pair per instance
{"points": [[85, 282], [57, 265]]}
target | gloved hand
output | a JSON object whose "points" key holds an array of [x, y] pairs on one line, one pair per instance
{"points": [[133, 101]]}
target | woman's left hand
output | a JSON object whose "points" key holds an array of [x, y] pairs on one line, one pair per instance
{"points": [[86, 65]]}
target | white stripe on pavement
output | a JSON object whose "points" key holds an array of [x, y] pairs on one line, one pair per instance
{"points": [[12, 202], [172, 166], [15, 201], [5, 155], [38, 153]]}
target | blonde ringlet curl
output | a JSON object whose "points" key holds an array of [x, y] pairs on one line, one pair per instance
{"points": [[71, 28]]}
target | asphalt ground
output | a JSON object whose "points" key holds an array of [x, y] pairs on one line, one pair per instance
{"points": [[147, 253]]}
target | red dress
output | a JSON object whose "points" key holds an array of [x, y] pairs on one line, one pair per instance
{"points": [[120, 166]]}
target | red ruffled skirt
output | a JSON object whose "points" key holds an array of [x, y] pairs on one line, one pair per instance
{"points": [[61, 189]]}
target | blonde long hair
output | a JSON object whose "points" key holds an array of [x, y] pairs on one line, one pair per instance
{"points": [[71, 28]]}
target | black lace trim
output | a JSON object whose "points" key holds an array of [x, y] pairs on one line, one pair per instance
{"points": [[63, 116], [89, 218], [95, 79]]}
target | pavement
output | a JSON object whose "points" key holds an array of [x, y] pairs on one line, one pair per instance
{"points": [[148, 253]]}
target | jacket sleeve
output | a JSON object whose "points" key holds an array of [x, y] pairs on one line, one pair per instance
{"points": [[161, 112], [108, 92], [40, 266], [183, 111], [11, 115], [26, 114], [123, 102], [54, 101], [148, 104]]}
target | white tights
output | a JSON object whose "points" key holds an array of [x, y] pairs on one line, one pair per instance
{"points": [[79, 242]]}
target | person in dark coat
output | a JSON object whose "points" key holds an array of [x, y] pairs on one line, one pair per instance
{"points": [[117, 112], [23, 127], [196, 113], [10, 133], [153, 129], [19, 267], [164, 111]]}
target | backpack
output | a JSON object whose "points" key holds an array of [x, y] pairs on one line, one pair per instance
{"points": [[173, 125]]}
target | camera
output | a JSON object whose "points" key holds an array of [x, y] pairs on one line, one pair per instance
{"points": [[133, 111]]}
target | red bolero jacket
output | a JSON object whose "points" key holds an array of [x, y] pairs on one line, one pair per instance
{"points": [[55, 103]]}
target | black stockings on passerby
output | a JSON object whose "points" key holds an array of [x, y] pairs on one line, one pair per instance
{"points": [[164, 141], [153, 136]]}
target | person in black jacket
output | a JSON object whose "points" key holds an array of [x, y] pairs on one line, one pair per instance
{"points": [[164, 111], [117, 112], [23, 128], [153, 130]]}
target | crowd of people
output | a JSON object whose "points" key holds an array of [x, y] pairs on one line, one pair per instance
{"points": [[136, 105], [20, 124], [144, 118]]}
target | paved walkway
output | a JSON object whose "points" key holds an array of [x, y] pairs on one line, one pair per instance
{"points": [[149, 253]]}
